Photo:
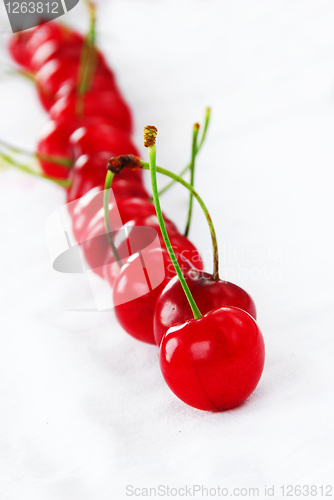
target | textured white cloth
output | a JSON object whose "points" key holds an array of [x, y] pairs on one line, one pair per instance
{"points": [[84, 408]]}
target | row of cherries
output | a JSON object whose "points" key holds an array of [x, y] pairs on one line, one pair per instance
{"points": [[205, 369]]}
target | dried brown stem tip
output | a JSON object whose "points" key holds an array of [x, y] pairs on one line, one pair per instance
{"points": [[150, 134], [116, 164]]}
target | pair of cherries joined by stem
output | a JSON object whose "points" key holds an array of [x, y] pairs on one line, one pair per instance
{"points": [[213, 361]]}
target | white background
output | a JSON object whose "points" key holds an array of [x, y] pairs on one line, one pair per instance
{"points": [[84, 408]]}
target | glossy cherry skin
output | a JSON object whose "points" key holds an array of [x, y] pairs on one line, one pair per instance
{"points": [[46, 33], [102, 137], [22, 45], [213, 363], [59, 72], [50, 40], [173, 307], [69, 49], [34, 47], [107, 104], [136, 315]]}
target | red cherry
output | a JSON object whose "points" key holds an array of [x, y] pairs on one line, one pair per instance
{"points": [[49, 33], [25, 45], [133, 310], [173, 308], [213, 363], [50, 49], [101, 137], [107, 104]]}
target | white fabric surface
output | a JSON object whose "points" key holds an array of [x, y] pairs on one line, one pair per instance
{"points": [[85, 411]]}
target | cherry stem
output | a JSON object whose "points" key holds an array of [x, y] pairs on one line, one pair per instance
{"points": [[192, 174], [65, 162], [28, 75], [180, 180], [60, 182], [205, 128], [152, 164], [88, 59], [106, 196]]}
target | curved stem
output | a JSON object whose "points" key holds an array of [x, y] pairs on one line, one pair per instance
{"points": [[205, 128], [65, 162], [192, 174], [152, 165], [61, 182], [177, 178], [106, 196]]}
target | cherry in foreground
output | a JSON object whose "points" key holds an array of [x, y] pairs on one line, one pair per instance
{"points": [[213, 363]]}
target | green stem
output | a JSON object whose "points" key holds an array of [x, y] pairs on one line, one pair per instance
{"points": [[30, 171], [205, 128], [152, 164], [192, 174], [106, 196], [65, 162], [88, 60], [26, 74], [177, 178]]}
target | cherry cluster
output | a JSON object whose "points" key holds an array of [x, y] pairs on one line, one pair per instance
{"points": [[213, 359]]}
